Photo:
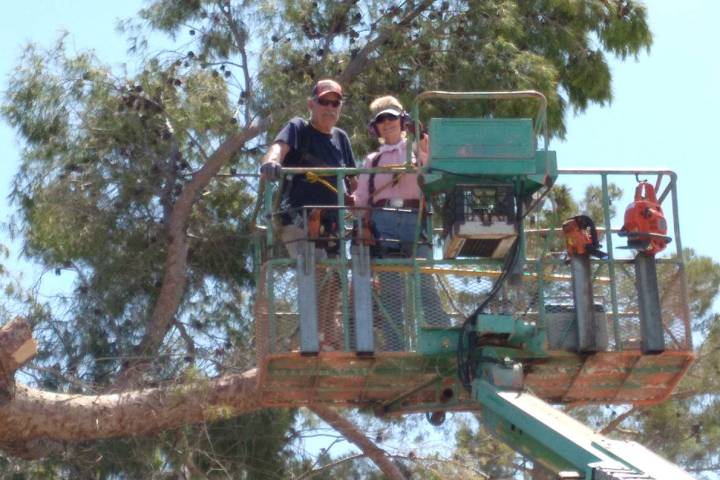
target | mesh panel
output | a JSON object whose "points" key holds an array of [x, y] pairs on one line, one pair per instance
{"points": [[445, 295], [464, 289], [277, 310], [332, 286], [399, 300]]}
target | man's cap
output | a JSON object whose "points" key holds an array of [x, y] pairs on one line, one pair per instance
{"points": [[323, 87], [383, 105]]}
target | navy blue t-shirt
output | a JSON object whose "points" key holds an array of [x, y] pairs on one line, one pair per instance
{"points": [[312, 148]]}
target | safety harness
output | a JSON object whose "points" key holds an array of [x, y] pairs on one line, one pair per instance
{"points": [[320, 222]]}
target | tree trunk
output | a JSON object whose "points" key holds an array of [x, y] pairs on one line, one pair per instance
{"points": [[175, 269]]}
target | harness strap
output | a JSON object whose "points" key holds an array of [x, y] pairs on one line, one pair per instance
{"points": [[371, 182], [309, 160]]}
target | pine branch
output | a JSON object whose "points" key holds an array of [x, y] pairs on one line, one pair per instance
{"points": [[615, 423], [34, 415], [240, 37], [362, 59], [189, 342], [175, 269], [329, 466], [354, 435], [454, 463]]}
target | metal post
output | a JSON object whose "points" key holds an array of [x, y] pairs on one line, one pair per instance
{"points": [[271, 318], [680, 257], [307, 298], [267, 213], [362, 299], [676, 217], [519, 266], [419, 307], [583, 296], [342, 266], [651, 326]]}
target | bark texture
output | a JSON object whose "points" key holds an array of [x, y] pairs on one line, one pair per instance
{"points": [[34, 415]]}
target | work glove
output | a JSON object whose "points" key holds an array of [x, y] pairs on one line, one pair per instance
{"points": [[271, 170]]}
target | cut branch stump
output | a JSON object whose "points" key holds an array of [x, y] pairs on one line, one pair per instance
{"points": [[17, 347]]}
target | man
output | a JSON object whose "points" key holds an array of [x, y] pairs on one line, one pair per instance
{"points": [[317, 143], [313, 143]]}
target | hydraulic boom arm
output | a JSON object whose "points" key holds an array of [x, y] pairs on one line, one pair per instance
{"points": [[562, 444]]}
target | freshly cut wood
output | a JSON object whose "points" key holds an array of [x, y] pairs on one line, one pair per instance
{"points": [[17, 346]]}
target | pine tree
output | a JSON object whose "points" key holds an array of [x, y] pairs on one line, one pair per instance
{"points": [[133, 183]]}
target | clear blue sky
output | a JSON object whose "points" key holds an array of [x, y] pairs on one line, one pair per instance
{"points": [[663, 113]]}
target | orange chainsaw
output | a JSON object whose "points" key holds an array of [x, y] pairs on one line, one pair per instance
{"points": [[645, 225], [581, 237]]}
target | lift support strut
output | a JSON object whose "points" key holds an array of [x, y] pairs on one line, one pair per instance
{"points": [[562, 444]]}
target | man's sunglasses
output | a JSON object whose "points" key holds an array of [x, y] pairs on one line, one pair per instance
{"points": [[325, 102], [386, 116]]}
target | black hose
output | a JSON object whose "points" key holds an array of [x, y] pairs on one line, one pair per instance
{"points": [[467, 365]]}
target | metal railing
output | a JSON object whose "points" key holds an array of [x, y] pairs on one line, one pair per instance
{"points": [[543, 295]]}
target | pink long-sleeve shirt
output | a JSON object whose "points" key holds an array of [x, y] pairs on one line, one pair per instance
{"points": [[406, 188]]}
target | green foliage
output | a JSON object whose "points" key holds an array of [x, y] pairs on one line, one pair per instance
{"points": [[557, 47], [481, 452], [249, 446], [563, 204], [254, 445], [95, 191], [703, 284], [593, 201]]}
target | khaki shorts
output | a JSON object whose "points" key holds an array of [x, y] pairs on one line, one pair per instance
{"points": [[292, 237]]}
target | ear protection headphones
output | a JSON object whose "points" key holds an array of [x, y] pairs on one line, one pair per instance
{"points": [[405, 120]]}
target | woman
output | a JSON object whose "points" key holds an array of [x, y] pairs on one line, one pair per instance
{"points": [[394, 200]]}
